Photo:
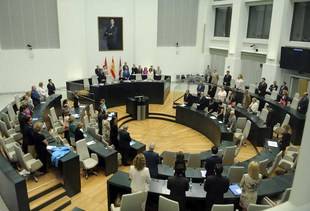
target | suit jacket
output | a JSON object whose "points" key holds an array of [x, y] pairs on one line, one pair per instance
{"points": [[283, 87], [78, 134], [152, 160], [227, 80], [200, 88], [216, 186], [210, 164], [203, 102], [303, 105], [124, 139], [178, 186], [212, 91], [285, 141], [262, 87], [51, 89]]}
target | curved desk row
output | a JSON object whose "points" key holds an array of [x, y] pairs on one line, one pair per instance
{"points": [[116, 94]]}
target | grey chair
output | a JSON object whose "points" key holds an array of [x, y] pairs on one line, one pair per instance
{"points": [[235, 174], [263, 115], [275, 163], [7, 145], [10, 132], [194, 161], [132, 201], [258, 207], [278, 129], [169, 158], [167, 204], [27, 162], [222, 207], [229, 155], [275, 201], [263, 167], [88, 162], [241, 137]]}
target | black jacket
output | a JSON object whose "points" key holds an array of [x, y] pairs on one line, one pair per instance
{"points": [[51, 89], [216, 186], [262, 87], [303, 105], [178, 186], [227, 80], [210, 164], [152, 160], [124, 139], [78, 134]]}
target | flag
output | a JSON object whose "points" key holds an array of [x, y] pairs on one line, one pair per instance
{"points": [[105, 65], [112, 70], [120, 68]]}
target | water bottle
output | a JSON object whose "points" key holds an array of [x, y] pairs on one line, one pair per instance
{"points": [[190, 184]]}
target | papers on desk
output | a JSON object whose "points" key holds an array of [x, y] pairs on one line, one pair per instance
{"points": [[272, 143], [235, 189], [212, 117], [203, 173], [220, 121], [76, 116], [90, 143], [49, 147], [132, 143]]}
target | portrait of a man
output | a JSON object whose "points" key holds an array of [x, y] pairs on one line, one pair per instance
{"points": [[110, 33]]}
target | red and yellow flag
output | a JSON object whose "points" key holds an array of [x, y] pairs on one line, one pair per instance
{"points": [[112, 70], [120, 68]]}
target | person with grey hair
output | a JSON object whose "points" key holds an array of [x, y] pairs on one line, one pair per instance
{"points": [[232, 121], [124, 144], [152, 160]]}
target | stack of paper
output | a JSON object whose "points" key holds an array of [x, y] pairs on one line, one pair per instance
{"points": [[91, 143]]}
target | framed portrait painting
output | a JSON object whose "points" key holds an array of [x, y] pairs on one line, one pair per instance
{"points": [[110, 33]]}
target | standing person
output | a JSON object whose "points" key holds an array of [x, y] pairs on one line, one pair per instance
{"points": [[246, 101], [158, 71], [152, 160], [216, 186], [103, 106], [240, 82], [180, 163], [72, 128], [28, 144], [139, 176], [262, 87], [134, 69], [40, 144], [28, 101], [106, 129], [232, 121], [221, 95], [215, 77], [303, 104], [286, 138], [271, 121], [114, 132], [125, 73], [124, 144], [249, 185], [284, 99], [42, 92], [178, 185], [100, 74], [78, 133], [200, 87], [35, 96], [212, 161], [51, 87], [283, 87], [227, 79], [100, 117]]}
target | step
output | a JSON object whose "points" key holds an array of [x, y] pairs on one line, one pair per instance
{"points": [[47, 199], [43, 189], [58, 205]]}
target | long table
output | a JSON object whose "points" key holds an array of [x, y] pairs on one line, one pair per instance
{"points": [[116, 94], [204, 123]]}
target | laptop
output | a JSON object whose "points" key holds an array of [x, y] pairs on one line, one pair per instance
{"points": [[235, 189]]}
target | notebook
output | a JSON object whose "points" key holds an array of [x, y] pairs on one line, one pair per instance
{"points": [[272, 144], [235, 189]]}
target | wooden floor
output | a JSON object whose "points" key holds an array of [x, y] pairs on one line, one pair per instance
{"points": [[166, 135]]}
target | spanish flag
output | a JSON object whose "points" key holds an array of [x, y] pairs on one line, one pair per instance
{"points": [[112, 70], [120, 68]]}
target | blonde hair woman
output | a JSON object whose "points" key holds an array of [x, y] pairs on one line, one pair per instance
{"points": [[249, 185], [139, 174]]}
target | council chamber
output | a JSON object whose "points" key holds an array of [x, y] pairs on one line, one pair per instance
{"points": [[154, 105]]}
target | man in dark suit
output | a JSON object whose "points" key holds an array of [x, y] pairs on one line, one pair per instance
{"points": [[212, 161], [215, 186], [111, 35], [271, 121], [200, 87], [227, 79], [188, 98], [124, 144], [262, 87], [212, 91], [303, 104], [178, 185], [50, 87], [203, 102], [100, 75], [134, 69], [152, 160]]}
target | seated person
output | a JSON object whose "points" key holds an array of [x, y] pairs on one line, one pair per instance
{"points": [[200, 87], [212, 161], [180, 163], [213, 106], [203, 102], [78, 133], [303, 104], [246, 101], [103, 106], [282, 88], [221, 95], [124, 144], [220, 111], [232, 121], [286, 138], [216, 186], [254, 105], [227, 114], [188, 98], [35, 96], [284, 99], [125, 73], [273, 87], [262, 87], [65, 108], [212, 91], [134, 69]]}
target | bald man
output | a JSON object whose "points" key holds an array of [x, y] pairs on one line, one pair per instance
{"points": [[152, 160]]}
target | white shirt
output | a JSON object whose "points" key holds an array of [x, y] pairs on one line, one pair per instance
{"points": [[221, 95], [254, 107], [239, 83], [41, 92], [140, 180]]}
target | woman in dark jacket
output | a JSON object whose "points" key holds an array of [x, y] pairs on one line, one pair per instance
{"points": [[114, 132], [40, 144]]}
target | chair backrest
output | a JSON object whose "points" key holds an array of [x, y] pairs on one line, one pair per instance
{"points": [[20, 156], [285, 196], [94, 134], [194, 161], [17, 101], [86, 83], [241, 121], [11, 112], [235, 174], [53, 114], [229, 155], [294, 103], [275, 163], [246, 129], [5, 118], [169, 159], [263, 164], [274, 95], [94, 80], [286, 120], [263, 115], [85, 121], [4, 129], [92, 111], [133, 201], [257, 207], [167, 204], [222, 207], [82, 150]]}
